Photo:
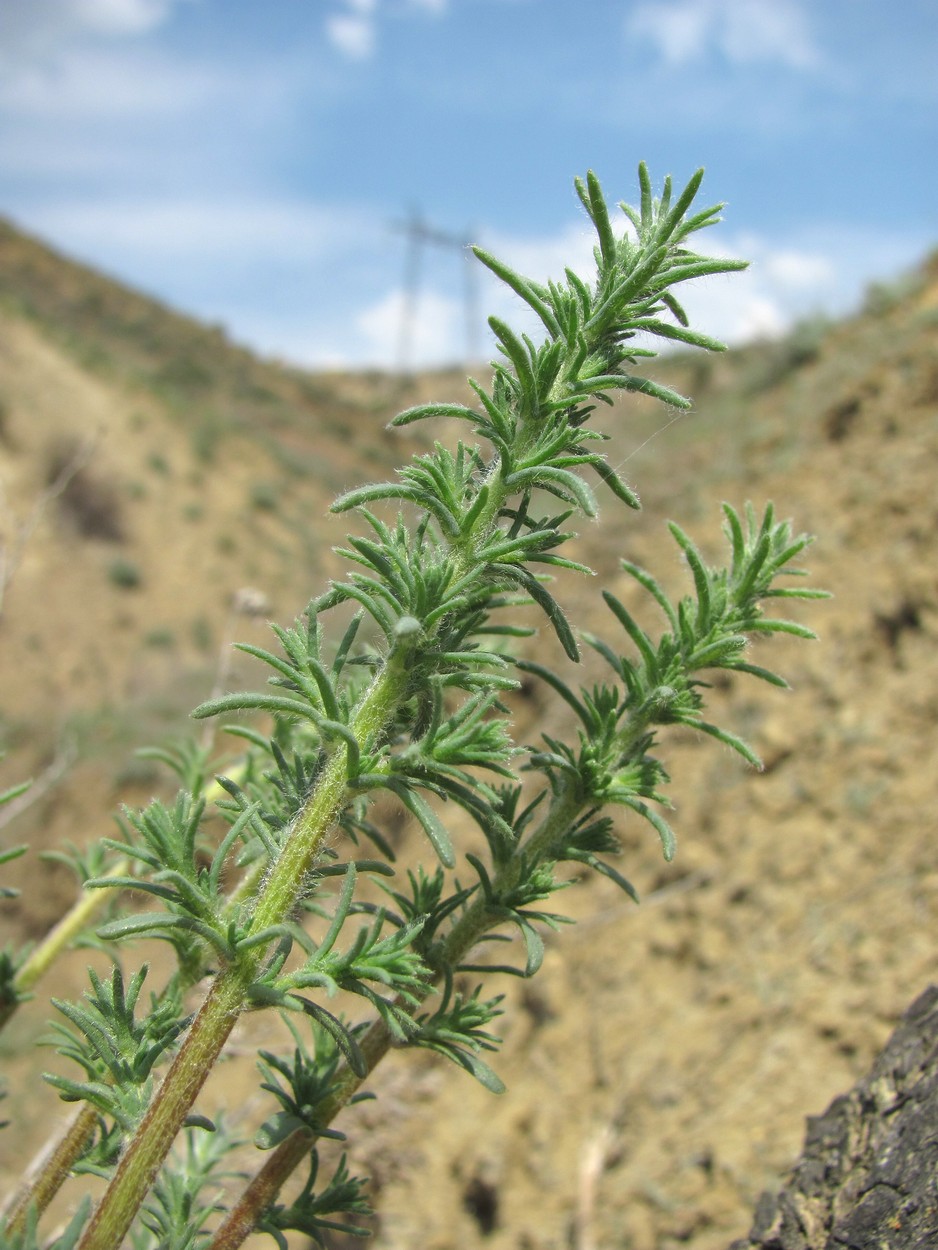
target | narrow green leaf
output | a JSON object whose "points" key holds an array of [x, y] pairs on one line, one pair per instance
{"points": [[733, 528], [645, 386], [516, 352], [675, 308], [756, 670], [772, 625], [346, 644], [533, 945], [730, 740], [343, 907], [475, 1066], [246, 702], [684, 201], [5, 797], [634, 631], [608, 475], [430, 822], [659, 824], [548, 604], [280, 1126], [607, 870], [693, 338], [644, 182], [423, 412], [701, 577], [193, 1120], [557, 684], [613, 660], [794, 592], [339, 1034], [521, 286], [600, 215], [645, 579]]}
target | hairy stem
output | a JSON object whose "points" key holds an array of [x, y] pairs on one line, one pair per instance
{"points": [[475, 921], [167, 1113], [229, 996], [51, 1171]]}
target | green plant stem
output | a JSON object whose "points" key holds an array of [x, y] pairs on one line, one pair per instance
{"points": [[263, 1189], [53, 1171], [230, 994], [75, 922], [71, 926], [475, 921], [167, 1112]]}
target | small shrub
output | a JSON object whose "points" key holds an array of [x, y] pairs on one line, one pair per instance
{"points": [[203, 637], [124, 574], [206, 435], [182, 378], [264, 496], [801, 346], [90, 502], [161, 638]]}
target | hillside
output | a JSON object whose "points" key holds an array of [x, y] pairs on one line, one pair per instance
{"points": [[661, 1067], [129, 432]]}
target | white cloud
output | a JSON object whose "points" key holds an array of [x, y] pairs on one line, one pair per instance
{"points": [[353, 31], [34, 28], [121, 17], [353, 34], [82, 85], [432, 333], [799, 271], [739, 31], [823, 271], [203, 234]]}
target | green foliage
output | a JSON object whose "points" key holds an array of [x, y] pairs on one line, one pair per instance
{"points": [[124, 574], [185, 1194], [11, 961], [406, 698], [116, 1050], [28, 1237], [309, 1212], [775, 361], [265, 496], [160, 637]]}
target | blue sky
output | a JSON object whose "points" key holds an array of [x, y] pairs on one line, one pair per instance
{"points": [[246, 160]]}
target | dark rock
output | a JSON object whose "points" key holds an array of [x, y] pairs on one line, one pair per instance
{"points": [[868, 1176]]}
